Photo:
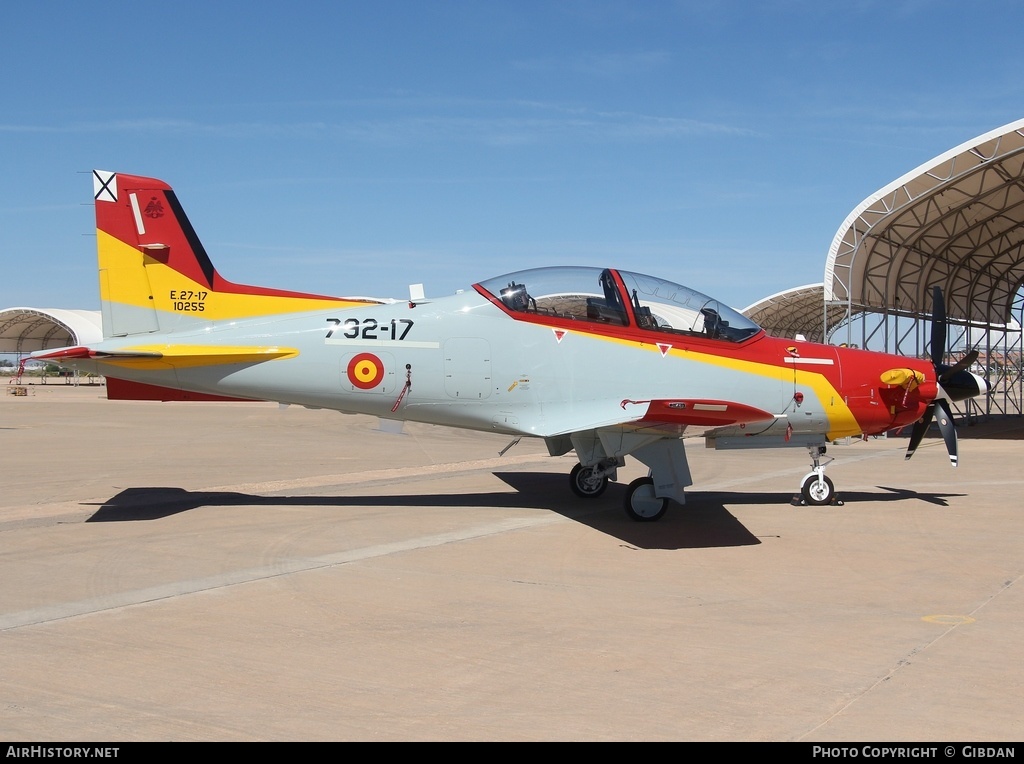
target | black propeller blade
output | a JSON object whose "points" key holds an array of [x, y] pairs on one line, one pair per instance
{"points": [[959, 366], [938, 327], [920, 428], [944, 415], [955, 383]]}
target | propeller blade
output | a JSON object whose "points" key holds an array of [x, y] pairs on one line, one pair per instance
{"points": [[938, 326], [955, 383], [944, 416], [960, 365], [920, 428]]}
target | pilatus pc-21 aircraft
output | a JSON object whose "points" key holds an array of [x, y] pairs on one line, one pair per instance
{"points": [[601, 361]]}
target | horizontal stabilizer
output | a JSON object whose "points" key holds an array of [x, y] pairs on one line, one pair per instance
{"points": [[67, 354], [181, 356], [201, 355]]}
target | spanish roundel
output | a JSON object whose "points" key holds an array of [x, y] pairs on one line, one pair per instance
{"points": [[365, 371]]}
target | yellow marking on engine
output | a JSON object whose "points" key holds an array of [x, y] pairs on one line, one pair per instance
{"points": [[901, 377]]}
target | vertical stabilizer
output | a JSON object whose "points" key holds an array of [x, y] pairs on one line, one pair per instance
{"points": [[126, 295], [155, 276]]}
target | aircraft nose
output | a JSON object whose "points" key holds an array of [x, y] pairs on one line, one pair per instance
{"points": [[964, 384]]}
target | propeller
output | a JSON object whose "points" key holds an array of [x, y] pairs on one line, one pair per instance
{"points": [[955, 383]]}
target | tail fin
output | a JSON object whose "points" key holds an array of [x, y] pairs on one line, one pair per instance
{"points": [[155, 275]]}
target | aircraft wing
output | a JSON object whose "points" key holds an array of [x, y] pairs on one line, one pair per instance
{"points": [[652, 432], [673, 417], [692, 417], [690, 412]]}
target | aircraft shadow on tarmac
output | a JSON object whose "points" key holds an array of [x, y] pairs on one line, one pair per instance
{"points": [[703, 522]]}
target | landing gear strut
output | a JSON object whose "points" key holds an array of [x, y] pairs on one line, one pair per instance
{"points": [[647, 498], [817, 490]]}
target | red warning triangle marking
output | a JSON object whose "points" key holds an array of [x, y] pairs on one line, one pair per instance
{"points": [[559, 333], [664, 349]]}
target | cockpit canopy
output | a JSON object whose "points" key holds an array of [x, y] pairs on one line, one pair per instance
{"points": [[619, 298]]}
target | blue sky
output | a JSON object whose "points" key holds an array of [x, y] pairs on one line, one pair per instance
{"points": [[354, 148]]}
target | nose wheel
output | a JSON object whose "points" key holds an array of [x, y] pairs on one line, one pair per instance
{"points": [[816, 490]]}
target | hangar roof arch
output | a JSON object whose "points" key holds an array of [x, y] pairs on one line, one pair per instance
{"points": [[797, 311], [956, 222], [24, 330]]}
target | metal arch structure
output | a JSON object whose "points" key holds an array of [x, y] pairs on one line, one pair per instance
{"points": [[797, 312], [26, 330], [956, 222]]}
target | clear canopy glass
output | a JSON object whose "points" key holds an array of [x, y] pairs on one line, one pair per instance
{"points": [[601, 296]]}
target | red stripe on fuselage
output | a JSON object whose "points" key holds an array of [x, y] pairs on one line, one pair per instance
{"points": [[853, 375]]}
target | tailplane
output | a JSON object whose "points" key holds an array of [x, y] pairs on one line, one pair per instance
{"points": [[155, 275]]}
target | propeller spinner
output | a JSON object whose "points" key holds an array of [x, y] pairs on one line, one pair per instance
{"points": [[955, 383]]}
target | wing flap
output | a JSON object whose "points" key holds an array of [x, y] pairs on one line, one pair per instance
{"points": [[671, 417]]}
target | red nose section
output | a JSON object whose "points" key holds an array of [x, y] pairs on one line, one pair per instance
{"points": [[885, 392]]}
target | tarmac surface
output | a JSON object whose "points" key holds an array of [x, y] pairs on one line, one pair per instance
{"points": [[248, 572]]}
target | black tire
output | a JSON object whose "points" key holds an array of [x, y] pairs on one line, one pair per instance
{"points": [[817, 494], [584, 484], [641, 504]]}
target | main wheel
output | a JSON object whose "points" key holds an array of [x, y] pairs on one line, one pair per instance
{"points": [[641, 503], [585, 483], [816, 492]]}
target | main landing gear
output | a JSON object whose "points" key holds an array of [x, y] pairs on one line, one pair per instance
{"points": [[589, 482], [641, 504], [817, 490]]}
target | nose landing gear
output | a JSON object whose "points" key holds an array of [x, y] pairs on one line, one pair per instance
{"points": [[817, 490]]}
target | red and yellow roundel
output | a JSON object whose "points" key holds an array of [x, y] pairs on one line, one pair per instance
{"points": [[365, 371]]}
